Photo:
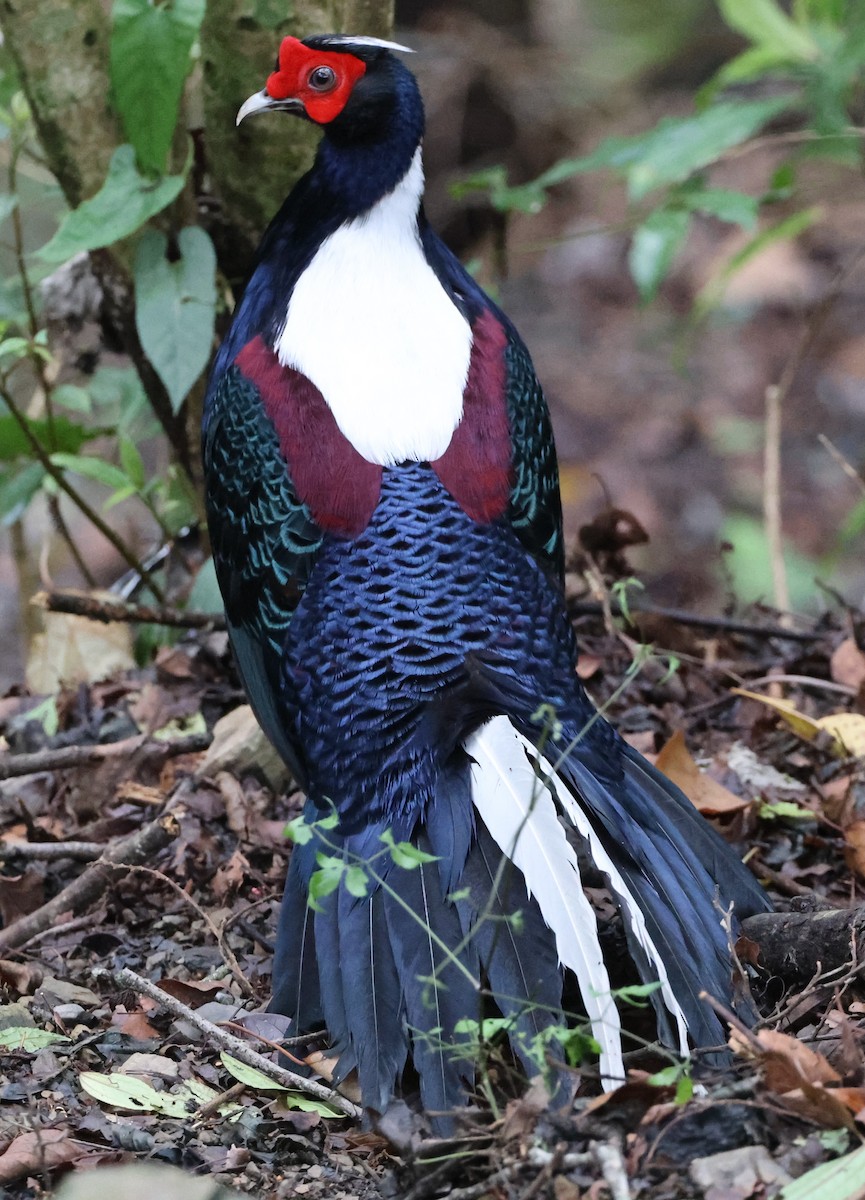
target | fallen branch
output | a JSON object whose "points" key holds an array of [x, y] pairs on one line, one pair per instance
{"points": [[138, 847], [148, 749], [797, 946], [592, 608], [239, 1049], [45, 851], [98, 608]]}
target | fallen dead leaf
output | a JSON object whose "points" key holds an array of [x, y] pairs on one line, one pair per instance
{"points": [[847, 664], [74, 650], [190, 992], [785, 1060], [846, 729], [705, 793], [39, 1150], [854, 851]]}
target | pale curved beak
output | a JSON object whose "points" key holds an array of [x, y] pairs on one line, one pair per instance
{"points": [[263, 102]]}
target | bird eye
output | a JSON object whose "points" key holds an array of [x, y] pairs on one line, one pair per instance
{"points": [[322, 79]]}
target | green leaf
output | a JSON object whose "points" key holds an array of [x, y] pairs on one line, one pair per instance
{"points": [[765, 24], [752, 63], [484, 1030], [677, 147], [263, 1083], [843, 1179], [123, 204], [18, 486], [326, 879], [785, 810], [149, 61], [91, 468], [674, 149], [299, 831], [249, 1075], [134, 1095], [175, 307], [25, 1037], [308, 1104], [635, 993], [60, 434], [734, 207], [654, 246], [132, 462], [404, 854], [356, 881]]}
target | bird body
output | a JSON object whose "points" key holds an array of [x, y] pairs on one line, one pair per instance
{"points": [[382, 494]]}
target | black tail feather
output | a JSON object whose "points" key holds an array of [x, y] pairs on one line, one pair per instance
{"points": [[438, 992]]}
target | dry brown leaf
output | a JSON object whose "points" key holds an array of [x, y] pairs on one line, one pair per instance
{"points": [[37, 1151], [846, 730], [854, 851], [704, 792], [825, 1106], [75, 650], [190, 992], [588, 665], [787, 1063], [847, 664]]}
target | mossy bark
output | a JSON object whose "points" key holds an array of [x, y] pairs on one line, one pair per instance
{"points": [[62, 58]]}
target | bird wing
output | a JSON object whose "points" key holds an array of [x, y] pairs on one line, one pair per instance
{"points": [[263, 537]]}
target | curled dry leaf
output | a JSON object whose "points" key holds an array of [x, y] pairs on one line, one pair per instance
{"points": [[846, 730], [705, 793], [801, 1078]]}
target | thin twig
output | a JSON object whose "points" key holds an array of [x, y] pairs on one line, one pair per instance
{"points": [[14, 765], [788, 886], [239, 1049], [212, 1107], [65, 533], [46, 851], [100, 608], [846, 466], [77, 499], [225, 950], [93, 881], [726, 624]]}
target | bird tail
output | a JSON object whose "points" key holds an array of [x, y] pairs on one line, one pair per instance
{"points": [[671, 875], [491, 902]]}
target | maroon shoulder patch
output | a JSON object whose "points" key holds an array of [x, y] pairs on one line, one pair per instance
{"points": [[477, 467], [339, 486]]}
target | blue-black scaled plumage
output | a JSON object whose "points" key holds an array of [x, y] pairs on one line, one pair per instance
{"points": [[398, 625]]}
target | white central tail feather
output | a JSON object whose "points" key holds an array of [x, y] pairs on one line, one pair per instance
{"points": [[521, 814], [630, 906], [520, 809]]}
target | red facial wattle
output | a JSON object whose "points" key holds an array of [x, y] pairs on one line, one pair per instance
{"points": [[297, 63]]}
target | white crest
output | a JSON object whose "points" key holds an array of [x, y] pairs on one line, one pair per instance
{"points": [[371, 326], [346, 40]]}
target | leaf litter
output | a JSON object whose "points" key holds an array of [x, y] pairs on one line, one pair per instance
{"points": [[93, 1074]]}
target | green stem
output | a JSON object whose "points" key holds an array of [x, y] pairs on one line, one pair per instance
{"points": [[90, 513]]}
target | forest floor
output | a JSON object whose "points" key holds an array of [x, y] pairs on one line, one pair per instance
{"points": [[133, 839]]}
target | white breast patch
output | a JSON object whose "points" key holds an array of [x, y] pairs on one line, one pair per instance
{"points": [[371, 326]]}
